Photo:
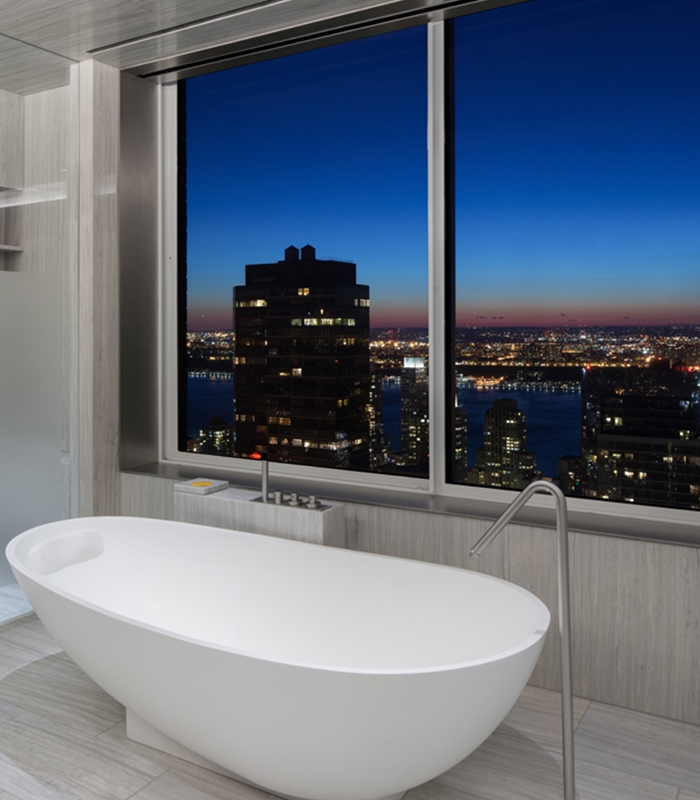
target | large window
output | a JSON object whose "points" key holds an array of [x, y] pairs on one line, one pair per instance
{"points": [[577, 342], [306, 258], [571, 255]]}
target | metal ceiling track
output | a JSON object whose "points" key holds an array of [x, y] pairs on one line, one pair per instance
{"points": [[319, 33]]}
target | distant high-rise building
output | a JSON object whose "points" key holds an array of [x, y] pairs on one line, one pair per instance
{"points": [[641, 434], [503, 461], [571, 474], [215, 439], [459, 463], [301, 367], [415, 425], [379, 444]]}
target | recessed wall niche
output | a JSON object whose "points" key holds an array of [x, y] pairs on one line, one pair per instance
{"points": [[11, 172]]}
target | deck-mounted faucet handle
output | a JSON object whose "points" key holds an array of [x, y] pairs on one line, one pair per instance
{"points": [[265, 477]]}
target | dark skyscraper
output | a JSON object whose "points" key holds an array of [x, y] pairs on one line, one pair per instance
{"points": [[503, 461], [641, 434], [216, 439], [301, 367], [379, 444], [460, 461], [415, 425]]}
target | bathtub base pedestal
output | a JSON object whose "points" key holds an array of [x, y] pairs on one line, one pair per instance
{"points": [[139, 731]]}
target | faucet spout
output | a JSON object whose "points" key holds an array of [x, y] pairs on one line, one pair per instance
{"points": [[567, 711], [536, 487]]}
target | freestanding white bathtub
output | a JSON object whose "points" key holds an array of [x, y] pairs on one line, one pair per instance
{"points": [[310, 671]]}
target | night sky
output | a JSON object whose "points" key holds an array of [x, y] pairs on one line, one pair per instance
{"points": [[578, 167]]}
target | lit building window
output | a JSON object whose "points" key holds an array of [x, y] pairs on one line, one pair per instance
{"points": [[251, 303]]}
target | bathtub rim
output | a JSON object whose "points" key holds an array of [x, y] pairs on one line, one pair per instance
{"points": [[29, 572]]}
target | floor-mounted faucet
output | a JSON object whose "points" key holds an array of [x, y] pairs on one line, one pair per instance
{"points": [[567, 702]]}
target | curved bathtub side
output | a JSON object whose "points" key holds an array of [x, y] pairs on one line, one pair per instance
{"points": [[312, 733]]}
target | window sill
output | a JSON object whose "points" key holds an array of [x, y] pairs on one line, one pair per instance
{"points": [[656, 527]]}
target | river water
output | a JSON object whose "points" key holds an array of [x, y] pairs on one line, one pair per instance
{"points": [[553, 419]]}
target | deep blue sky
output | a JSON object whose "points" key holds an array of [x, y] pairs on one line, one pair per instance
{"points": [[326, 148], [578, 166]]}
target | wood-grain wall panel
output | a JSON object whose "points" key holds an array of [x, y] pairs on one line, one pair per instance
{"points": [[11, 141], [99, 290], [436, 538], [636, 610], [532, 557], [146, 496]]}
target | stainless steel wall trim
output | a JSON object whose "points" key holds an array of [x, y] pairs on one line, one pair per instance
{"points": [[139, 291], [168, 275]]}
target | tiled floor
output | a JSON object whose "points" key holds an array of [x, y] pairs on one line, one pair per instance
{"points": [[13, 603], [63, 738]]}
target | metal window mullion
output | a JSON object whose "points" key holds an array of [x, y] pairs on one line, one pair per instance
{"points": [[437, 211]]}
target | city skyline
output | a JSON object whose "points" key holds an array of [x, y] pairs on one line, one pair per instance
{"points": [[577, 250], [610, 412]]}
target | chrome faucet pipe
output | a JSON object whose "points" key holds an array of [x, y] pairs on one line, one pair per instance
{"points": [[567, 694]]}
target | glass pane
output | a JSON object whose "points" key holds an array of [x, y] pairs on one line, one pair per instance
{"points": [[578, 247], [306, 259], [38, 289]]}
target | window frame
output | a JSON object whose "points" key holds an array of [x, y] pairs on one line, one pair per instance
{"points": [[440, 314]]}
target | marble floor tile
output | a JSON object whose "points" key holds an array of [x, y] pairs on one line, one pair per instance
{"points": [[60, 755], [537, 715], [176, 785], [508, 765], [32, 635], [9, 711], [58, 689], [63, 738], [13, 602], [211, 783], [18, 783], [14, 655], [641, 744], [6, 625], [435, 791], [115, 739], [511, 766], [594, 782]]}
